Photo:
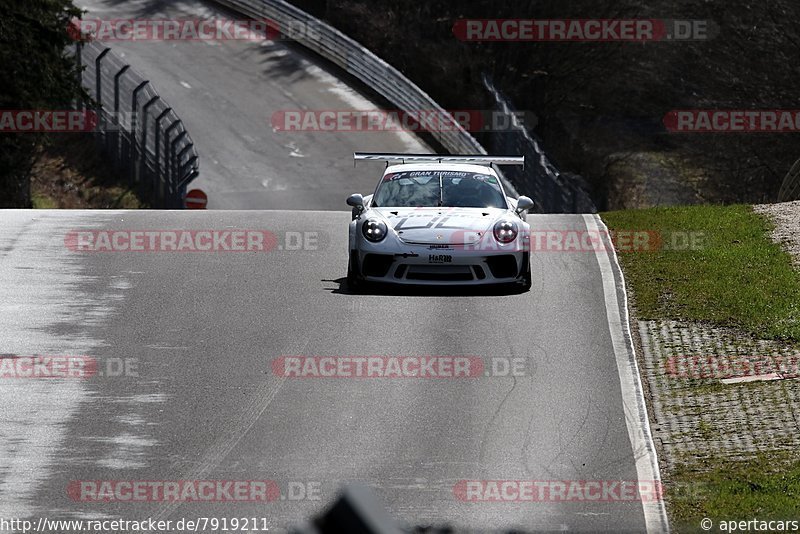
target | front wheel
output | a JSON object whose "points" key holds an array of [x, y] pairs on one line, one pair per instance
{"points": [[353, 283], [527, 279]]}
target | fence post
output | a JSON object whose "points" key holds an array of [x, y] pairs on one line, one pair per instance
{"points": [[180, 196], [79, 59], [189, 163], [173, 160], [178, 157], [98, 65], [118, 149], [161, 177], [143, 155], [188, 177], [169, 175], [135, 177], [127, 141]]}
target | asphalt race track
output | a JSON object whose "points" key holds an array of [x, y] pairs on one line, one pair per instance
{"points": [[227, 92], [203, 402], [187, 346]]}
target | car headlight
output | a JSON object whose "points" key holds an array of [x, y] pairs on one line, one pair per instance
{"points": [[374, 230], [505, 231]]}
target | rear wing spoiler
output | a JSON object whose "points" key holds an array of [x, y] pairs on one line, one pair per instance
{"points": [[477, 159]]}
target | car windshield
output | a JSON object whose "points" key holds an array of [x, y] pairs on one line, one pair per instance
{"points": [[434, 188]]}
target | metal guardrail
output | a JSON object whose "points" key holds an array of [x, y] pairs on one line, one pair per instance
{"points": [[136, 129], [387, 81], [790, 189], [356, 60]]}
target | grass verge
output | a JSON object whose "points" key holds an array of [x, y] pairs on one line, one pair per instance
{"points": [[70, 173], [718, 265], [733, 275], [767, 488]]}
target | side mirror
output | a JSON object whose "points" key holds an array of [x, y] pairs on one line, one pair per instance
{"points": [[356, 201], [524, 204]]}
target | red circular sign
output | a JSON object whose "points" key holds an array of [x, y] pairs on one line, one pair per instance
{"points": [[195, 200]]}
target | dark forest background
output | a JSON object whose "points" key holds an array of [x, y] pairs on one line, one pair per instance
{"points": [[600, 106]]}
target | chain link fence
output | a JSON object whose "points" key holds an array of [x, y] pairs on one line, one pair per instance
{"points": [[790, 189], [142, 136]]}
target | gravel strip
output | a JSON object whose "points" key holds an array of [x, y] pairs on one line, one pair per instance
{"points": [[695, 415], [786, 217]]}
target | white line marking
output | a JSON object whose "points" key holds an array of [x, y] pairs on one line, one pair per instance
{"points": [[238, 426], [752, 378], [655, 514]]}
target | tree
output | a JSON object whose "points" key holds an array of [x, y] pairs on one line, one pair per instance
{"points": [[38, 74]]}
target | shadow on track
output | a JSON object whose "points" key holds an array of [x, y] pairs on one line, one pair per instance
{"points": [[372, 289], [280, 59]]}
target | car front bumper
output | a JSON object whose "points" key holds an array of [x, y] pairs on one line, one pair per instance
{"points": [[421, 265]]}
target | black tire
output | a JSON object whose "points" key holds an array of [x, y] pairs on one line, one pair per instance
{"points": [[527, 280], [353, 283]]}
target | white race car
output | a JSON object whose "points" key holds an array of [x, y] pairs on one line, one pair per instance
{"points": [[439, 220]]}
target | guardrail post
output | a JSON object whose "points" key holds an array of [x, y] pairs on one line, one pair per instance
{"points": [[135, 175]]}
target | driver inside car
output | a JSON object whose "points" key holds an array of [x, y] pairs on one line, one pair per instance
{"points": [[470, 193]]}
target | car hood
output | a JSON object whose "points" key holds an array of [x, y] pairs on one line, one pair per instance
{"points": [[440, 226]]}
